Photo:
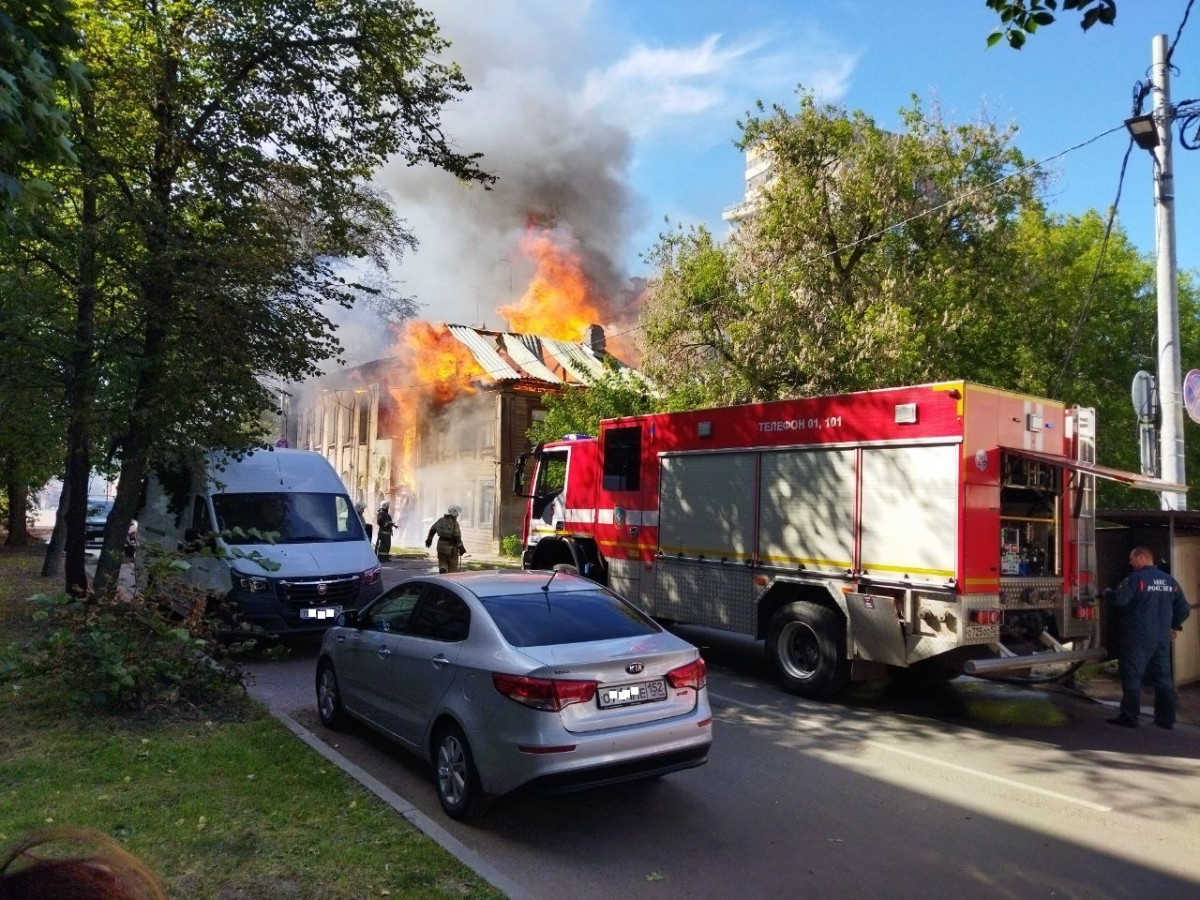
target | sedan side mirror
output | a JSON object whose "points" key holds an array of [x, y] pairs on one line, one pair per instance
{"points": [[347, 618]]}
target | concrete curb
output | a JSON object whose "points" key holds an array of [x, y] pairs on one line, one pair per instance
{"points": [[414, 816]]}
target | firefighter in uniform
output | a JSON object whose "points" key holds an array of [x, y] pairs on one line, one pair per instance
{"points": [[361, 508], [449, 540], [1154, 609], [383, 518]]}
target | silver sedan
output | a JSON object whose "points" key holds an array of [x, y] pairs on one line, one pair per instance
{"points": [[517, 679]]}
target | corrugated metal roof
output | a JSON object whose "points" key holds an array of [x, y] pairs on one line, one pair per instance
{"points": [[575, 358], [484, 349], [527, 357]]}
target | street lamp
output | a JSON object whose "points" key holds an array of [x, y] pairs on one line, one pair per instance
{"points": [[1144, 131]]}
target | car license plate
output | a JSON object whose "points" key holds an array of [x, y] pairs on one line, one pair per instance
{"points": [[629, 694], [320, 612]]}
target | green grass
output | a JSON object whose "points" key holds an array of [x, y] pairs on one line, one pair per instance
{"points": [[222, 802]]}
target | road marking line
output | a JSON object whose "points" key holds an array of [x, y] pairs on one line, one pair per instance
{"points": [[996, 778], [920, 756]]}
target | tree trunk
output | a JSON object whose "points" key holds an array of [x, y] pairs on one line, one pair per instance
{"points": [[18, 509], [159, 295], [135, 452], [52, 564], [80, 388]]}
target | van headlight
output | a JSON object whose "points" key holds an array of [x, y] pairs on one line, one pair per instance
{"points": [[372, 575], [253, 584]]}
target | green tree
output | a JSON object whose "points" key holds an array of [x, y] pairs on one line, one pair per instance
{"points": [[31, 423], [1086, 324], [224, 156], [866, 259], [1019, 18], [579, 410], [36, 72]]}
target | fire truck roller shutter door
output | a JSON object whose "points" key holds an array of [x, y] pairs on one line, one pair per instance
{"points": [[806, 648]]}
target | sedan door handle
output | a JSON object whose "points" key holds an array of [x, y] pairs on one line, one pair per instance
{"points": [[439, 661], [384, 651]]}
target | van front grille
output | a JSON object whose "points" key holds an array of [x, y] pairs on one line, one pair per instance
{"points": [[336, 590]]}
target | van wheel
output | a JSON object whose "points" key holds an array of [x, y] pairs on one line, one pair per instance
{"points": [[567, 568], [455, 774], [806, 648], [329, 698]]}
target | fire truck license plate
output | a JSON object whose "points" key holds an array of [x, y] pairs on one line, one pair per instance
{"points": [[629, 694], [320, 612]]}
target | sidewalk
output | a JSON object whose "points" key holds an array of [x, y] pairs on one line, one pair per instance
{"points": [[472, 560]]}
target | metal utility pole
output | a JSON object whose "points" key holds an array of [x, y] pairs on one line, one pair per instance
{"points": [[1170, 375]]}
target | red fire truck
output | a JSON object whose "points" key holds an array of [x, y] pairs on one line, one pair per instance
{"points": [[925, 530]]}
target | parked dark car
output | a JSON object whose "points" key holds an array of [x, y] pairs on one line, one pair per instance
{"points": [[98, 511], [519, 679]]}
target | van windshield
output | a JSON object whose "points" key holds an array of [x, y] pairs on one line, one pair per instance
{"points": [[298, 518]]}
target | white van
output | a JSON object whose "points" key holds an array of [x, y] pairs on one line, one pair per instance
{"points": [[325, 561]]}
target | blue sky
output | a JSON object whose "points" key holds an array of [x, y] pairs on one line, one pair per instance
{"points": [[1062, 88], [609, 115]]}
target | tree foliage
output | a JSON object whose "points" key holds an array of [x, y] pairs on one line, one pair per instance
{"points": [[579, 410], [31, 420], [224, 151], [1019, 18], [37, 38], [866, 260]]}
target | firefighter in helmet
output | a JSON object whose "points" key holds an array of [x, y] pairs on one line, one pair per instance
{"points": [[383, 518], [361, 508], [449, 540]]}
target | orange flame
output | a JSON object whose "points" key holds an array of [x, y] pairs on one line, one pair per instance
{"points": [[438, 365], [559, 302]]}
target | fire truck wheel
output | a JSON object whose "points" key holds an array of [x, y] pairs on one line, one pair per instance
{"points": [[806, 647]]}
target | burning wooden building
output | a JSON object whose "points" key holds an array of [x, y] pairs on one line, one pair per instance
{"points": [[442, 423]]}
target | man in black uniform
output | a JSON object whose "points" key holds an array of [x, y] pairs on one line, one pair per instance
{"points": [[1154, 610]]}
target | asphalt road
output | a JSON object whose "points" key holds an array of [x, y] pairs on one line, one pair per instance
{"points": [[978, 790]]}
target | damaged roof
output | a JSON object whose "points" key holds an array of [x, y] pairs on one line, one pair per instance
{"points": [[506, 356]]}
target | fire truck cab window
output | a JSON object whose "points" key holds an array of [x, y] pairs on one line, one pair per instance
{"points": [[622, 458], [551, 479]]}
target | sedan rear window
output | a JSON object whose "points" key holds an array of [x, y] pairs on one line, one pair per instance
{"points": [[538, 620]]}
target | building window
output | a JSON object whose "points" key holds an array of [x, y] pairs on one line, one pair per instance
{"points": [[622, 458], [468, 505], [487, 501], [364, 420]]}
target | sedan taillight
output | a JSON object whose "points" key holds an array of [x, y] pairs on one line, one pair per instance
{"points": [[549, 694], [693, 675]]}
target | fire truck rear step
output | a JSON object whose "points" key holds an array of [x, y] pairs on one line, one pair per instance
{"points": [[1016, 663]]}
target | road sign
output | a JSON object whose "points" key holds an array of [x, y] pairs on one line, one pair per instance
{"points": [[1143, 396]]}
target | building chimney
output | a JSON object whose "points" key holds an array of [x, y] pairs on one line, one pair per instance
{"points": [[593, 337]]}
